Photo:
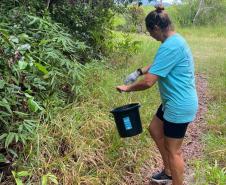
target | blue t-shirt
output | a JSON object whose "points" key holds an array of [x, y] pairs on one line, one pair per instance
{"points": [[174, 66]]}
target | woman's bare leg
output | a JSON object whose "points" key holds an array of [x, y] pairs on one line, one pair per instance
{"points": [[175, 159], [156, 132]]}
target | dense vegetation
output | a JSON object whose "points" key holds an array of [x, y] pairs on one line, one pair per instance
{"points": [[47, 49], [59, 63], [41, 65]]}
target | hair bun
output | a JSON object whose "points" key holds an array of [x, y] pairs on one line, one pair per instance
{"points": [[159, 8]]}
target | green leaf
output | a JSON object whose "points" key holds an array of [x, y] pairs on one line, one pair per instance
{"points": [[29, 128], [2, 119], [44, 180], [30, 59], [22, 64], [2, 84], [23, 174], [3, 136], [4, 114], [50, 177], [33, 105], [18, 181], [14, 39], [20, 114], [9, 139], [4, 103], [24, 47], [2, 158], [22, 138], [34, 20], [16, 138], [53, 178], [44, 42], [7, 40], [28, 95], [16, 175], [13, 153], [41, 68], [23, 36]]}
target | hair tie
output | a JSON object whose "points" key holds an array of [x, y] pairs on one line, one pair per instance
{"points": [[159, 9]]}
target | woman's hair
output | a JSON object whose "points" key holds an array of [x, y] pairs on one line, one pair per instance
{"points": [[159, 18]]}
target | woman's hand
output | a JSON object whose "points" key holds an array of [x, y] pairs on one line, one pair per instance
{"points": [[123, 88]]}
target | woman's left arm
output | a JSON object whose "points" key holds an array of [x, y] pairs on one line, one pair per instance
{"points": [[148, 81]]}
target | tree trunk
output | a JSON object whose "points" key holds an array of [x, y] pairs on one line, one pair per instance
{"points": [[201, 6]]}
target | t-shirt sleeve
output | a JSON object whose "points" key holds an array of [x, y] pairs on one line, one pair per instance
{"points": [[164, 61]]}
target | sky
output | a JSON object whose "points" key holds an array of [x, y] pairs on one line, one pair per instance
{"points": [[146, 2]]}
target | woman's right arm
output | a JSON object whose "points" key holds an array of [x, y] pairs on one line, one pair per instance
{"points": [[131, 78]]}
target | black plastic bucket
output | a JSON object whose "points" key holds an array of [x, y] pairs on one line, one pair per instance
{"points": [[127, 119]]}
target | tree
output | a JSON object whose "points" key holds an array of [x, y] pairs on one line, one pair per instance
{"points": [[201, 6], [207, 7]]}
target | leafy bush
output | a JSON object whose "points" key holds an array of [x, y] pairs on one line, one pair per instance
{"points": [[90, 23], [45, 54], [39, 73], [125, 46], [134, 19]]}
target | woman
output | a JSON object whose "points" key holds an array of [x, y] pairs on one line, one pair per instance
{"points": [[173, 69]]}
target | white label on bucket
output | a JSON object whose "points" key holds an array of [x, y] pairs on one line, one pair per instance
{"points": [[127, 123]]}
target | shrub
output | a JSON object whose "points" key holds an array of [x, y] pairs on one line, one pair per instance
{"points": [[39, 73], [90, 23]]}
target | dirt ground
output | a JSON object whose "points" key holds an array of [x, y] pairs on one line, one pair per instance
{"points": [[192, 146]]}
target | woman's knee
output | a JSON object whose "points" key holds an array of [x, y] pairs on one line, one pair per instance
{"points": [[156, 135], [152, 131], [156, 129], [173, 146], [173, 152]]}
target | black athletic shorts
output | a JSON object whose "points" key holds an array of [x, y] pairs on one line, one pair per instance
{"points": [[172, 130]]}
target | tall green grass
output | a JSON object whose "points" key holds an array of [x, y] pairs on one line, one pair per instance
{"points": [[93, 151]]}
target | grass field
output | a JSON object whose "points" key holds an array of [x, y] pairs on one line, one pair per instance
{"points": [[82, 146]]}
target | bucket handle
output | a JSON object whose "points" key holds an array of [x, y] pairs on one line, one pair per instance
{"points": [[138, 106]]}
